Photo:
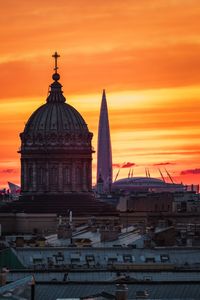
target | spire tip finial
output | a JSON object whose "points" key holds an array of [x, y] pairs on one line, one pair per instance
{"points": [[56, 76]]}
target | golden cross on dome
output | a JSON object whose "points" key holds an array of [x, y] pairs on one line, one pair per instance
{"points": [[56, 56]]}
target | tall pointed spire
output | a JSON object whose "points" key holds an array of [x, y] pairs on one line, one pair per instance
{"points": [[104, 151]]}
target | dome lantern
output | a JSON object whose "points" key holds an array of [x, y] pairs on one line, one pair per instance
{"points": [[56, 94]]}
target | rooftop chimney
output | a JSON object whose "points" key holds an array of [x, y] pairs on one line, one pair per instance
{"points": [[121, 292]]}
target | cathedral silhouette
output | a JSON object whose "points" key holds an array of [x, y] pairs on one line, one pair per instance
{"points": [[56, 150], [56, 163]]}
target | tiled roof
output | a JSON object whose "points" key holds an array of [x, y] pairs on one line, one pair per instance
{"points": [[156, 291]]}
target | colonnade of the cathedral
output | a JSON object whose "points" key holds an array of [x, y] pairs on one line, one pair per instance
{"points": [[55, 176]]}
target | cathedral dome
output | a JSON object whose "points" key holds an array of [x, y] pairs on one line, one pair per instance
{"points": [[56, 122], [55, 117], [56, 147]]}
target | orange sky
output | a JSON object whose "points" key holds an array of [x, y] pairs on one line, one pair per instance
{"points": [[144, 53]]}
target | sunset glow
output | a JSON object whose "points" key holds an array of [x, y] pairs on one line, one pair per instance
{"points": [[144, 53]]}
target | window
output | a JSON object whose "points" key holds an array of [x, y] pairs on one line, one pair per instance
{"points": [[30, 176], [66, 175], [127, 258], [54, 175], [41, 175], [164, 257], [78, 175], [150, 260], [88, 173], [89, 258]]}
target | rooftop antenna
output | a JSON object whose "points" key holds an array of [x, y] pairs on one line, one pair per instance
{"points": [[169, 176], [163, 178], [117, 175], [132, 173], [147, 172]]}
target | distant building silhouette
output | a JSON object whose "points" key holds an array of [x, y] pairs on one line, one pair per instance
{"points": [[104, 151]]}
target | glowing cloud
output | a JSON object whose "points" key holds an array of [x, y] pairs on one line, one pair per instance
{"points": [[192, 171]]}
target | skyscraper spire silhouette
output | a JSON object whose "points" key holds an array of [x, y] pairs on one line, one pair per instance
{"points": [[104, 151]]}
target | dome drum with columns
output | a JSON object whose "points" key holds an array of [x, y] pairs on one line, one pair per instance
{"points": [[56, 150]]}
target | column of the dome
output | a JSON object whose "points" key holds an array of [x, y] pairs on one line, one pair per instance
{"points": [[80, 179], [47, 175], [25, 176], [44, 175], [73, 176], [28, 174], [77, 185], [90, 175], [85, 188], [22, 174], [71, 171], [37, 179], [34, 185], [81, 183], [60, 177]]}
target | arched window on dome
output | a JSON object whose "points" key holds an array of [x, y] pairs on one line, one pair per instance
{"points": [[66, 175], [29, 140], [78, 175]]}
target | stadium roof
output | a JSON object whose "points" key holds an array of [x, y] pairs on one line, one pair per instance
{"points": [[146, 183]]}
